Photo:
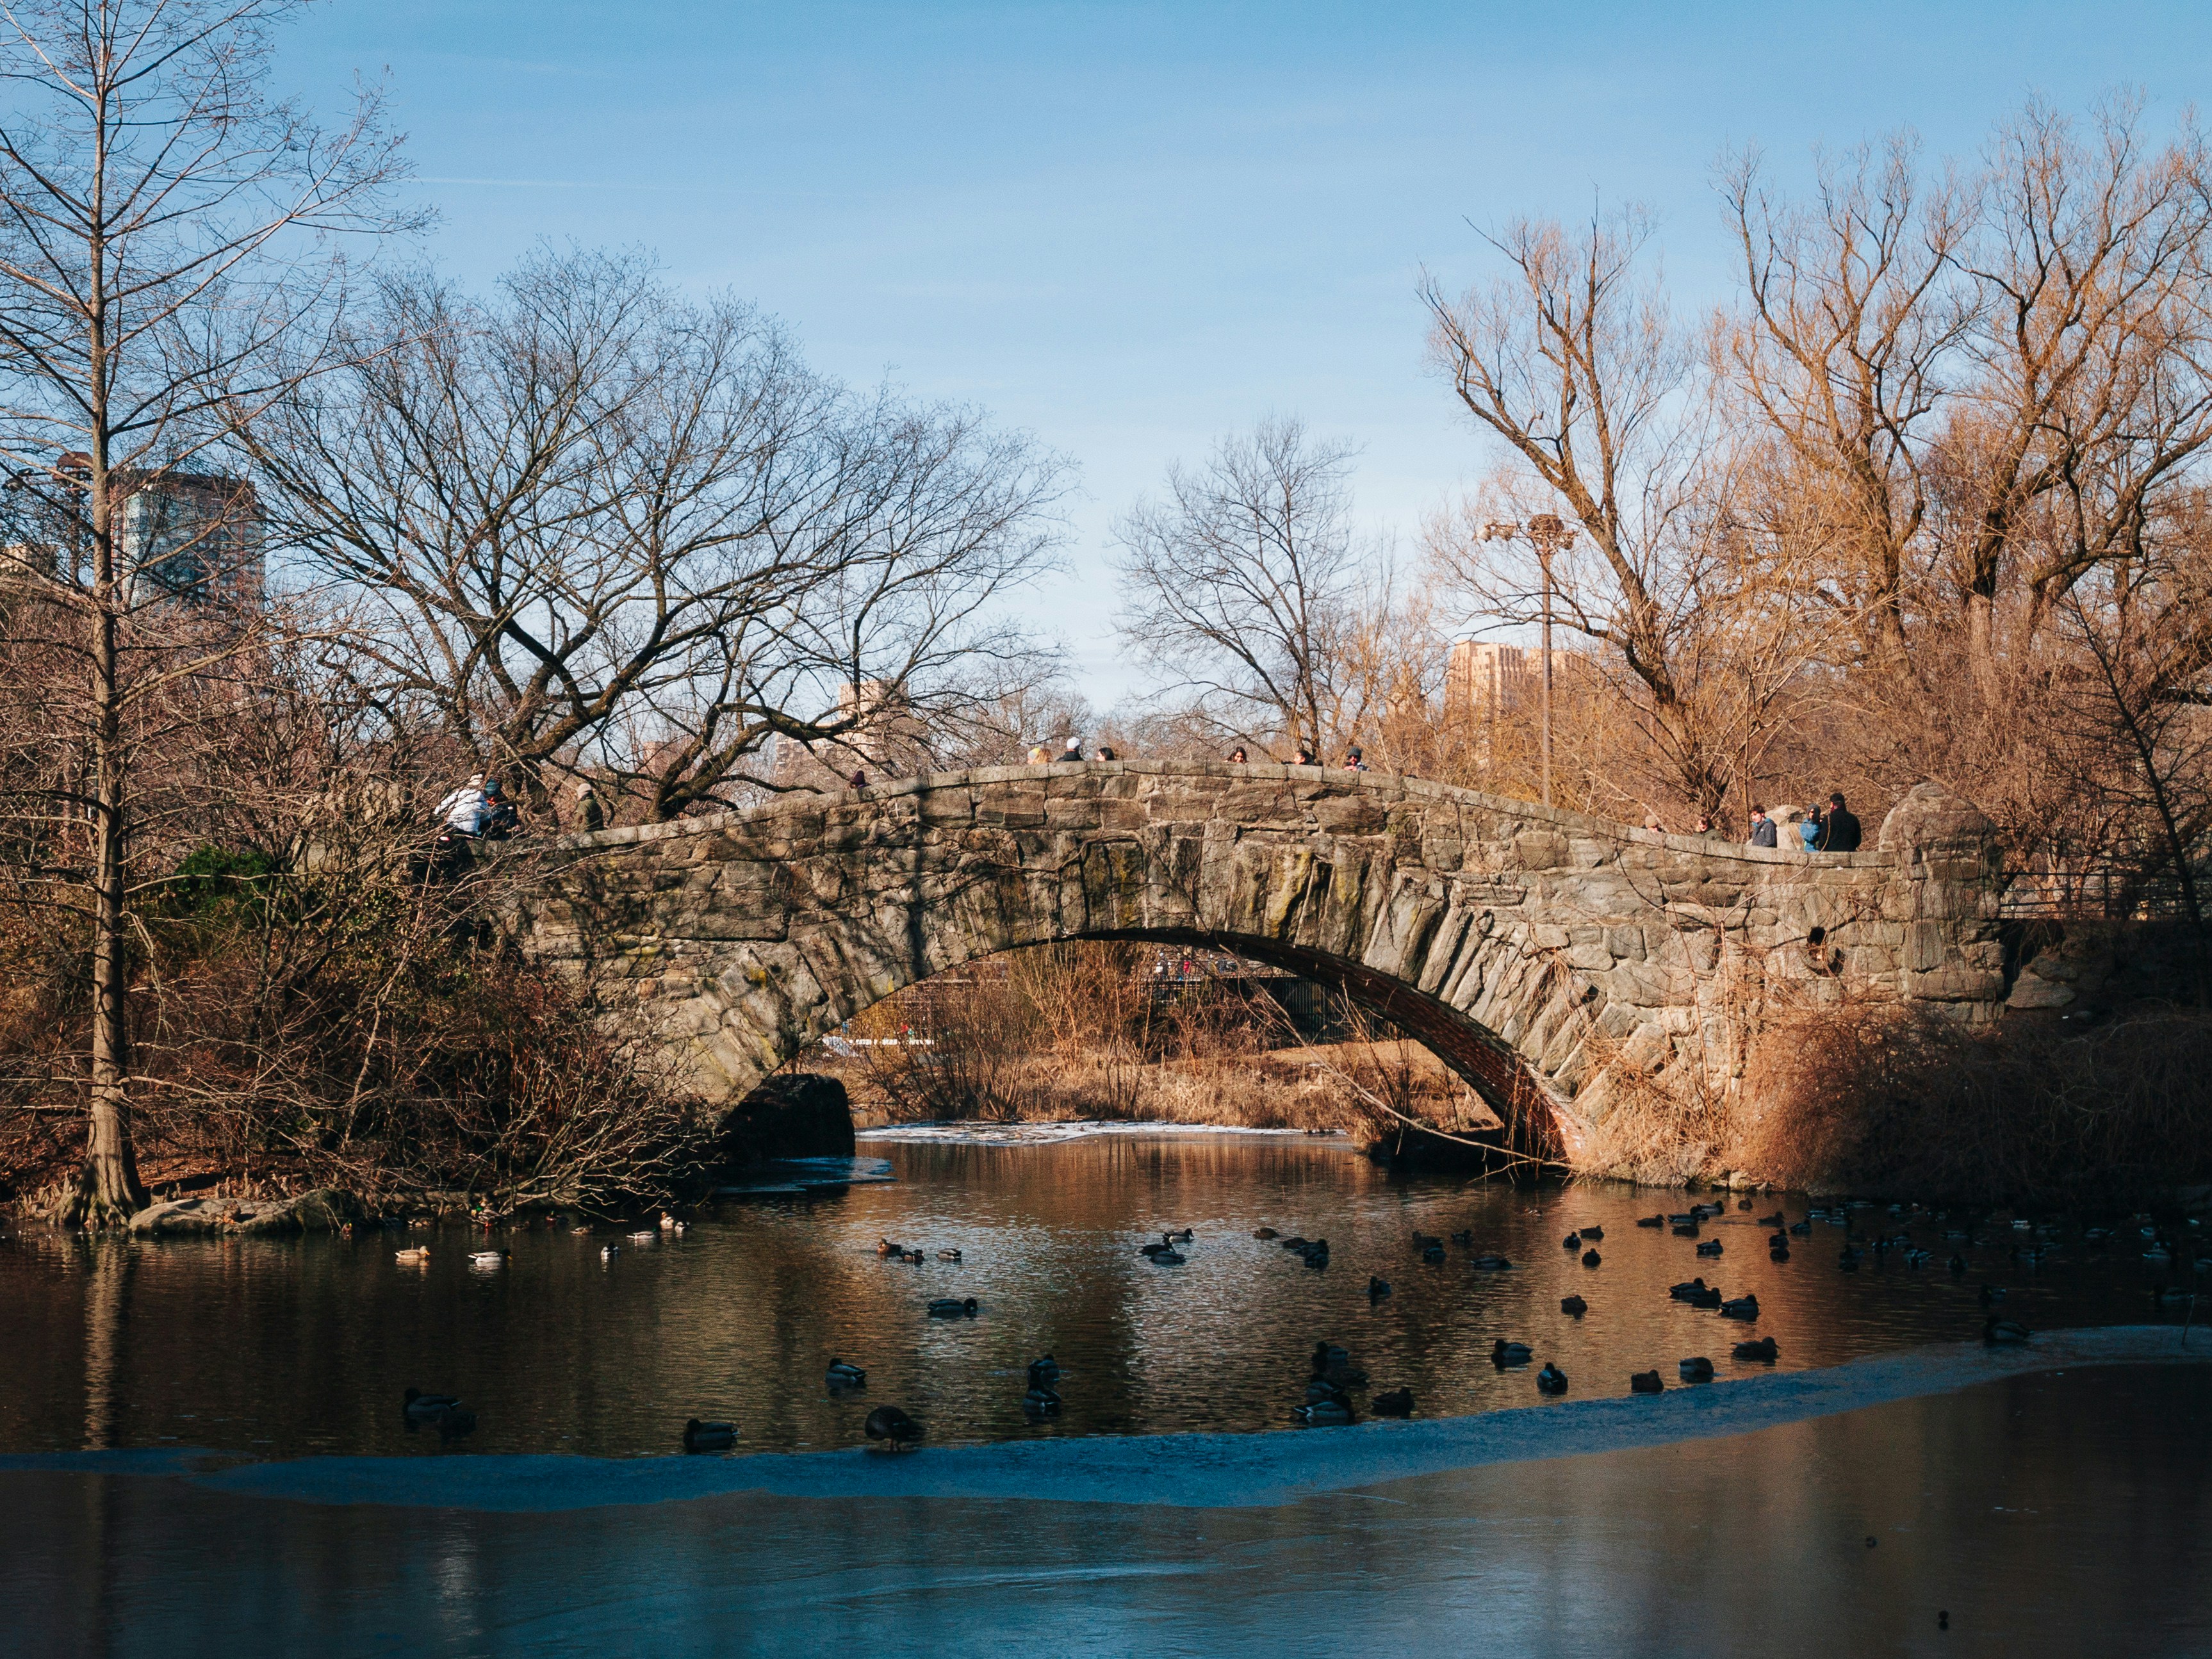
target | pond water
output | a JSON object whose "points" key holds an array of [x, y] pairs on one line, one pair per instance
{"points": [[281, 1348]]}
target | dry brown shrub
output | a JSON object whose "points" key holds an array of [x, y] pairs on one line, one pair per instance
{"points": [[2031, 1110]]}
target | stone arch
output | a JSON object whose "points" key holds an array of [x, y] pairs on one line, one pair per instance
{"points": [[1537, 952]]}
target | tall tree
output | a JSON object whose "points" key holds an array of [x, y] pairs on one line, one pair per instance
{"points": [[166, 242]]}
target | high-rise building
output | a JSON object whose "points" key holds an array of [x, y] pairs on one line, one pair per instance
{"points": [[1486, 679], [191, 536], [883, 739]]}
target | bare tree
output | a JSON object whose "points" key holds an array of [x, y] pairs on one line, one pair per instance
{"points": [[1244, 587], [164, 225], [609, 528]]}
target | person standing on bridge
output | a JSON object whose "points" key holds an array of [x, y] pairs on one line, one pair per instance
{"points": [[1352, 760], [1238, 757], [1075, 749], [463, 811], [591, 816], [1763, 832], [1839, 829]]}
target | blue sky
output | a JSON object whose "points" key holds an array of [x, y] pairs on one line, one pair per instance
{"points": [[1131, 226]]}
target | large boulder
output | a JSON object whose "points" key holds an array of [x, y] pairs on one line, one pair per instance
{"points": [[793, 1114]]}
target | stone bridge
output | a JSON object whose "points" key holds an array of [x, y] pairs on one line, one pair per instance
{"points": [[1541, 954]]}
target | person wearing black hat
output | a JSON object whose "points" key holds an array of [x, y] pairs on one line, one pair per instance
{"points": [[1839, 830], [1352, 762]]}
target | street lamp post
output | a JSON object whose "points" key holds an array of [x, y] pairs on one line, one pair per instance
{"points": [[1550, 538]]}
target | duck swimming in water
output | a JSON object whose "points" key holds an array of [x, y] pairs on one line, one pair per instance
{"points": [[1505, 1354], [421, 1408], [1645, 1382], [1573, 1306], [412, 1258], [1591, 1233], [1551, 1379], [890, 1423], [1591, 1258], [951, 1307], [1699, 1370], [1571, 1241], [841, 1375], [1490, 1264], [1333, 1412], [1744, 1307], [1045, 1370], [702, 1436], [1398, 1402], [1764, 1350], [1378, 1288], [1687, 1288], [2004, 1333], [1265, 1232], [1652, 1221], [1711, 1247]]}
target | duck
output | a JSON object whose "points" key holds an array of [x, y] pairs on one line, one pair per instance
{"points": [[412, 1258], [1315, 1255], [669, 1224], [1464, 1239], [1777, 1241], [1180, 1236], [2173, 1295], [1991, 1295], [1165, 1257], [1687, 1288], [1708, 1297], [1779, 1253], [1957, 1264], [1041, 1401], [644, 1236], [1378, 1288], [1801, 1229], [1398, 1402], [948, 1256], [1591, 1233], [1743, 1306], [2004, 1333], [1504, 1354], [914, 1257], [421, 1408], [1152, 1249], [580, 1231], [952, 1307], [2158, 1255], [701, 1436], [842, 1376], [1591, 1258], [1571, 1241], [1044, 1372], [1777, 1219], [1319, 1388], [1699, 1370], [1764, 1350], [1333, 1412], [1711, 1247], [1651, 1221], [884, 1247], [1265, 1232], [1691, 1218], [1573, 1306], [1645, 1382], [1434, 1255], [890, 1423], [608, 1252], [487, 1258], [1490, 1264], [1551, 1379]]}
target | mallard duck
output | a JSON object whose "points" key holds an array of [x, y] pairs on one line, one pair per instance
{"points": [[884, 1247], [581, 1231], [2173, 1295], [1763, 1350], [1776, 1219], [951, 1307], [1779, 1253], [1504, 1354], [1991, 1295], [644, 1236], [1039, 1401], [1711, 1247], [1699, 1370], [1398, 1402], [1551, 1379], [1957, 1264], [1777, 1241], [914, 1257], [1265, 1232], [1645, 1382], [1333, 1412], [1464, 1239], [2003, 1333], [702, 1436], [1167, 1258], [669, 1224], [1708, 1297], [1180, 1235], [1044, 1372], [487, 1258], [1591, 1258], [1591, 1233], [1433, 1255], [890, 1423], [1490, 1264], [421, 1408], [414, 1257], [608, 1252], [1571, 1241], [1573, 1306], [842, 1376], [1651, 1221], [1687, 1288], [1743, 1306], [1378, 1288], [1690, 1219], [948, 1256]]}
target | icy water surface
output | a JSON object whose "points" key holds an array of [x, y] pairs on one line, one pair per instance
{"points": [[281, 1348]]}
